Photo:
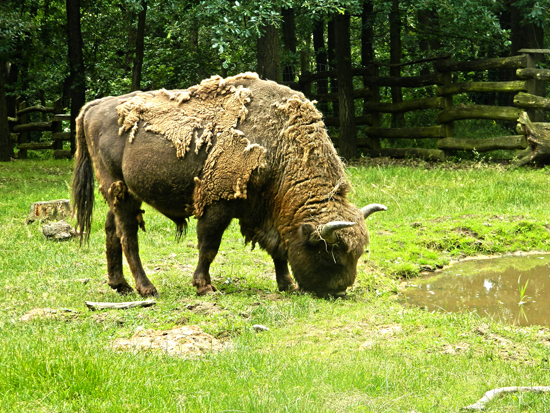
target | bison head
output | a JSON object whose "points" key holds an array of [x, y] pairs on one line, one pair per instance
{"points": [[324, 259]]}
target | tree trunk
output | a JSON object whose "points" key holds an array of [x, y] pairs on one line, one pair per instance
{"points": [[331, 54], [129, 18], [348, 129], [9, 86], [6, 146], [427, 21], [321, 61], [140, 47], [289, 41], [398, 120], [524, 35], [267, 49], [77, 82], [367, 57], [502, 99]]}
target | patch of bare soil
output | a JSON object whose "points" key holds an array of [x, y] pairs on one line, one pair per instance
{"points": [[205, 308], [48, 313], [455, 348], [178, 341], [382, 332], [466, 232], [507, 349]]}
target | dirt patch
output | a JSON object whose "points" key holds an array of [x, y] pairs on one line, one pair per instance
{"points": [[179, 341], [455, 348], [205, 308], [466, 231], [506, 349], [384, 332], [51, 313]]}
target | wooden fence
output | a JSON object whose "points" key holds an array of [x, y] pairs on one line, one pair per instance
{"points": [[529, 87], [52, 121]]}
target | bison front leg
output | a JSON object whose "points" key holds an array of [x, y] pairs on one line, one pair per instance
{"points": [[284, 280], [114, 257], [210, 228]]}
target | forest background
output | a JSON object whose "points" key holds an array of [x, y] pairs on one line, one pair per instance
{"points": [[80, 50]]}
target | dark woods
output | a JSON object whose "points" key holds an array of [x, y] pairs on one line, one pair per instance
{"points": [[78, 51]]}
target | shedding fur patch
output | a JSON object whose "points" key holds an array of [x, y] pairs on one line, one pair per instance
{"points": [[117, 191], [227, 170], [206, 115]]}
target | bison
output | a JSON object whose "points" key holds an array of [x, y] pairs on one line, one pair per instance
{"points": [[229, 148]]}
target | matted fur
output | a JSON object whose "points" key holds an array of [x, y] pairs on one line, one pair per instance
{"points": [[196, 115], [315, 187]]}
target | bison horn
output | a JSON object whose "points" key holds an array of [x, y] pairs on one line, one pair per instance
{"points": [[329, 229], [371, 208]]}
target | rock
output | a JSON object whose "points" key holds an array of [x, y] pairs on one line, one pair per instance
{"points": [[59, 231], [49, 210]]}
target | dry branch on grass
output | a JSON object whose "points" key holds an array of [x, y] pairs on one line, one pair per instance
{"points": [[491, 394], [119, 306]]}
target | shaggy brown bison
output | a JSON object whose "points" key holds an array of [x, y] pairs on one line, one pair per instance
{"points": [[240, 148]]}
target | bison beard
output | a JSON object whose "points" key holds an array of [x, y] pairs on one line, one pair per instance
{"points": [[228, 148]]}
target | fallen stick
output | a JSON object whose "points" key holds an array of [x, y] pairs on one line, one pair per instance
{"points": [[491, 394], [119, 306]]}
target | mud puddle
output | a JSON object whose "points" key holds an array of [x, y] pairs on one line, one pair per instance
{"points": [[511, 289]]}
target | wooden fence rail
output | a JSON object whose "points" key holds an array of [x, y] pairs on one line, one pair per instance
{"points": [[52, 121]]}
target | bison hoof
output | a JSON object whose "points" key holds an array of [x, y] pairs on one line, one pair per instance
{"points": [[290, 288], [122, 289], [206, 289], [149, 291]]}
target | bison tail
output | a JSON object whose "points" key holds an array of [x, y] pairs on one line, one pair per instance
{"points": [[83, 182]]}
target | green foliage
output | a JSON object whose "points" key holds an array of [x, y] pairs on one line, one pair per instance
{"points": [[14, 31], [187, 41]]}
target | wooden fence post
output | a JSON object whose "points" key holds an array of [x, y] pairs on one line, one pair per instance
{"points": [[534, 86]]}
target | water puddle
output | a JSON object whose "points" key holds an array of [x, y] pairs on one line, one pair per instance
{"points": [[511, 289]]}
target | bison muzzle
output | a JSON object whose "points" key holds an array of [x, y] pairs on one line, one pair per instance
{"points": [[229, 148]]}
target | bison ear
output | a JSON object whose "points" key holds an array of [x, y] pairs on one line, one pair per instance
{"points": [[308, 234]]}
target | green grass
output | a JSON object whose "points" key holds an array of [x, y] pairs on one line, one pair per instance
{"points": [[368, 353]]}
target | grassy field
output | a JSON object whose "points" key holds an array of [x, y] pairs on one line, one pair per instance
{"points": [[366, 353]]}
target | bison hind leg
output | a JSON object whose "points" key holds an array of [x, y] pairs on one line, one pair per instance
{"points": [[116, 278], [123, 221]]}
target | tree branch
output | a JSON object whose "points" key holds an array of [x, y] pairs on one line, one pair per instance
{"points": [[491, 394]]}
